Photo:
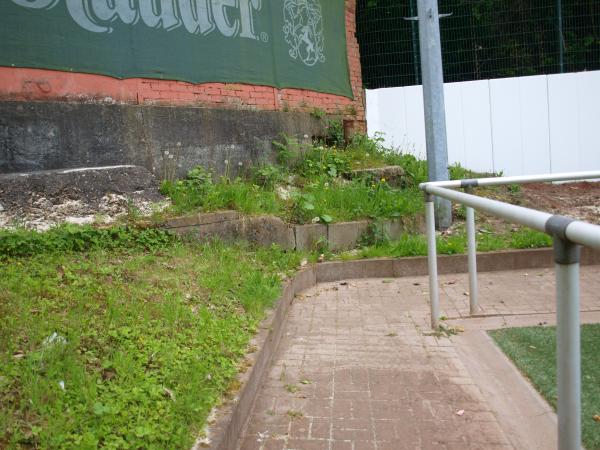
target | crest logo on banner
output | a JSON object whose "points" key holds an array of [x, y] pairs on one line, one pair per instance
{"points": [[303, 30]]}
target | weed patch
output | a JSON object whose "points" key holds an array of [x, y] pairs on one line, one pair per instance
{"points": [[74, 238], [309, 183], [416, 245]]}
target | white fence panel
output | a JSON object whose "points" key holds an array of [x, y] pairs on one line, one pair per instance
{"points": [[518, 126], [505, 115], [589, 120], [563, 107], [372, 112], [535, 138], [414, 138], [477, 126], [455, 123]]}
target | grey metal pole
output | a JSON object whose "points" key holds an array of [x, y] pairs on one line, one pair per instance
{"points": [[561, 46], [414, 38], [472, 258], [566, 255], [434, 297], [433, 100]]}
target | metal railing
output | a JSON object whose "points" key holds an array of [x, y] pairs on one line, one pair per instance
{"points": [[568, 235]]}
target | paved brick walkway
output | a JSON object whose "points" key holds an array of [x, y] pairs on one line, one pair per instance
{"points": [[359, 369]]}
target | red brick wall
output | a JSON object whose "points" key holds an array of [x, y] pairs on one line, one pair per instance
{"points": [[49, 85]]}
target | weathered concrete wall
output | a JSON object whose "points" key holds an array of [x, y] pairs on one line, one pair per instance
{"points": [[268, 230], [168, 141]]}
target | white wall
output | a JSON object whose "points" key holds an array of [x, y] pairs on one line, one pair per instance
{"points": [[519, 126]]}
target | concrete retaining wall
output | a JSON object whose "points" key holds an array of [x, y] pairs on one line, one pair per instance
{"points": [[267, 230], [168, 141]]}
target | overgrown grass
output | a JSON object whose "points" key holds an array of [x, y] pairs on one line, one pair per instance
{"points": [[200, 192], [310, 182], [533, 350], [127, 348], [75, 238], [416, 245], [356, 199]]}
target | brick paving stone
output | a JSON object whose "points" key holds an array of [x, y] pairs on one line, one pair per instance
{"points": [[367, 373]]}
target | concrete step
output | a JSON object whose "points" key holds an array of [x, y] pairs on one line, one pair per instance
{"points": [[41, 199]]}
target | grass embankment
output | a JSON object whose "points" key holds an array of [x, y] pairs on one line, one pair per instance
{"points": [[126, 338], [533, 350], [310, 182], [129, 347]]}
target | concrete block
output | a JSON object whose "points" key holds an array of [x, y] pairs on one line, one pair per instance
{"points": [[184, 231], [216, 217], [202, 219], [345, 235], [267, 230], [416, 224], [514, 260], [410, 267], [308, 236], [346, 270], [395, 228], [305, 279], [182, 222], [228, 231], [393, 175]]}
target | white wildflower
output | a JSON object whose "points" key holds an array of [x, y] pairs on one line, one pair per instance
{"points": [[54, 339]]}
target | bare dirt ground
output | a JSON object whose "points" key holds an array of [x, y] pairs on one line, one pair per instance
{"points": [[579, 200]]}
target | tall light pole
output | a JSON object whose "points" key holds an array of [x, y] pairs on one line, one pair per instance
{"points": [[433, 98], [561, 43]]}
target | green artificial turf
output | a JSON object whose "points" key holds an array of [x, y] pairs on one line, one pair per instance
{"points": [[533, 350]]}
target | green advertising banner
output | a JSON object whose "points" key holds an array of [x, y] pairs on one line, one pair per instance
{"points": [[281, 43]]}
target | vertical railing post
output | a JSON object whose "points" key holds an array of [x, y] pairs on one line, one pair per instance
{"points": [[472, 257], [432, 261], [432, 75], [568, 364]]}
